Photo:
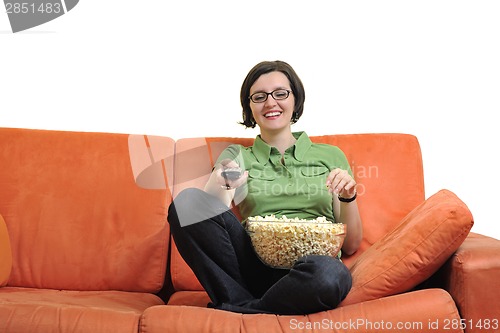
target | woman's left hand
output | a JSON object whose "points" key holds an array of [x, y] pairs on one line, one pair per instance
{"points": [[341, 183]]}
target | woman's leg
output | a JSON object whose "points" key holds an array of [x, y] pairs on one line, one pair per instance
{"points": [[217, 248], [315, 283]]}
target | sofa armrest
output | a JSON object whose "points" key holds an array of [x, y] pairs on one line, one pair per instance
{"points": [[5, 254], [472, 277]]}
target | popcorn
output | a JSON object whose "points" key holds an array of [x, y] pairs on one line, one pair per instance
{"points": [[279, 242]]}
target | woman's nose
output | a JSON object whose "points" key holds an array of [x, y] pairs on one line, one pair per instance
{"points": [[270, 101]]}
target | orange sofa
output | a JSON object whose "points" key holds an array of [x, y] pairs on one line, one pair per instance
{"points": [[85, 243]]}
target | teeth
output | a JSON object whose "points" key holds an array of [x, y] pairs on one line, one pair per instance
{"points": [[272, 114]]}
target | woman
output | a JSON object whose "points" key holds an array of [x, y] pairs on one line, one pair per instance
{"points": [[283, 173]]}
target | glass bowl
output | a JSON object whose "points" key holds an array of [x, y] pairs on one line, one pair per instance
{"points": [[279, 242]]}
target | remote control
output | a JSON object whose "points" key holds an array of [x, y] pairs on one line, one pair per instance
{"points": [[231, 173]]}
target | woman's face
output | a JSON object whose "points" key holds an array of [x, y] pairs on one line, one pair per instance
{"points": [[272, 114]]}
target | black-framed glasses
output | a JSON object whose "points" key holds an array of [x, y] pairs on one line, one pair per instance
{"points": [[278, 94]]}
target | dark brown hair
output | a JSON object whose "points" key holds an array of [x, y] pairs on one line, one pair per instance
{"points": [[268, 67]]}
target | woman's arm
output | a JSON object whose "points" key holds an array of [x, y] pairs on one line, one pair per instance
{"points": [[348, 213], [341, 184]]}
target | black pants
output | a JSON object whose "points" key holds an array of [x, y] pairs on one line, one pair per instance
{"points": [[215, 245]]}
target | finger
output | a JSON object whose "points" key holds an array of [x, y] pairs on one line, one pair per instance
{"points": [[227, 163], [350, 185], [232, 184], [340, 186], [331, 176], [240, 181], [340, 182], [334, 176]]}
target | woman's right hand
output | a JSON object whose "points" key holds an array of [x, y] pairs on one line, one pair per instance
{"points": [[226, 182]]}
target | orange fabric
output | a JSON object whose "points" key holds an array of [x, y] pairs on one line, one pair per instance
{"points": [[5, 254], [191, 298], [473, 279], [39, 310], [182, 275], [413, 251], [151, 158], [415, 310], [384, 166], [178, 319], [75, 215]]}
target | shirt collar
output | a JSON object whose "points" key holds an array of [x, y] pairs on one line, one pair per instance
{"points": [[262, 150]]}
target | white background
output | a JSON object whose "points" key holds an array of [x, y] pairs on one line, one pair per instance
{"points": [[174, 68]]}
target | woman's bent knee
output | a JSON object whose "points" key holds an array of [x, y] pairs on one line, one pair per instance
{"points": [[188, 207], [330, 279]]}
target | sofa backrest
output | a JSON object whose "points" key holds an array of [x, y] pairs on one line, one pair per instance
{"points": [[387, 167], [86, 211]]}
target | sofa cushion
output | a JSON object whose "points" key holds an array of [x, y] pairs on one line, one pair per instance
{"points": [[413, 251], [471, 276], [190, 298], [43, 310], [77, 219], [411, 312]]}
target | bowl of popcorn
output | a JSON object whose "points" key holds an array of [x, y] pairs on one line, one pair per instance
{"points": [[279, 242]]}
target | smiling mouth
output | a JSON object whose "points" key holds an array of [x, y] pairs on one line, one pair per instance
{"points": [[273, 114]]}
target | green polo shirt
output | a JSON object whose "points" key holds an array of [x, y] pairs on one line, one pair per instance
{"points": [[293, 184]]}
